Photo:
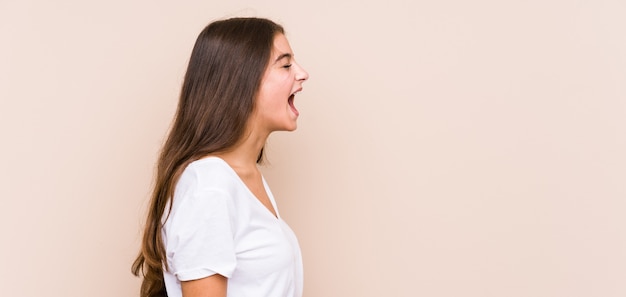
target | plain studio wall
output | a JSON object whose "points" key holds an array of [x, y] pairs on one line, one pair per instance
{"points": [[445, 148]]}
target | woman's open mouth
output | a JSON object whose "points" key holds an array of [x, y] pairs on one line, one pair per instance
{"points": [[293, 107]]}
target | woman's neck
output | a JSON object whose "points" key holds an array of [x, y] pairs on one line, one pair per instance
{"points": [[244, 155]]}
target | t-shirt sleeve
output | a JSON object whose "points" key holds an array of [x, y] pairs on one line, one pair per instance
{"points": [[199, 238]]}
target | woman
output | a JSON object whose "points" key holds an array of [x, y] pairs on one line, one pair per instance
{"points": [[213, 228]]}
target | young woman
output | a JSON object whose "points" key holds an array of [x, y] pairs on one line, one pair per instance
{"points": [[213, 228]]}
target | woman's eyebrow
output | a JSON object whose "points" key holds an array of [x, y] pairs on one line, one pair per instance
{"points": [[283, 56]]}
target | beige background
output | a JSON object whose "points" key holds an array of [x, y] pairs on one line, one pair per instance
{"points": [[446, 148]]}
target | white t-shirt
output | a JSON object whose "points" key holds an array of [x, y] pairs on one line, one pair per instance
{"points": [[218, 226]]}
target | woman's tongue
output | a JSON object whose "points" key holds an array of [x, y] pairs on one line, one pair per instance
{"points": [[293, 107]]}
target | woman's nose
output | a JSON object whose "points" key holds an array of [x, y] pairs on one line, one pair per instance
{"points": [[301, 74]]}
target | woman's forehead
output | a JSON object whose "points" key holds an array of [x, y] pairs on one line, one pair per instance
{"points": [[281, 47]]}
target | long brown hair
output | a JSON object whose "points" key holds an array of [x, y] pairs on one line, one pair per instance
{"points": [[217, 98]]}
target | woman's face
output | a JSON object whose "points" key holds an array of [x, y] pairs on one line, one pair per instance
{"points": [[283, 78]]}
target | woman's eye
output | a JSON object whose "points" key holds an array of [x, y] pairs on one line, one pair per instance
{"points": [[287, 66]]}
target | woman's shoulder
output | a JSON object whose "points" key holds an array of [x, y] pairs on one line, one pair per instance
{"points": [[209, 165], [208, 173]]}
